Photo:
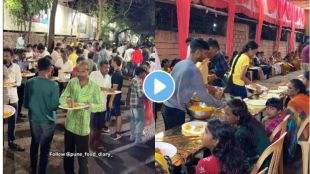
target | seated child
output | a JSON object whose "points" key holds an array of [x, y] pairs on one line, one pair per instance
{"points": [[275, 115]]}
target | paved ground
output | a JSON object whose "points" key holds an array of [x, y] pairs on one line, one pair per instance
{"points": [[294, 168], [125, 156]]}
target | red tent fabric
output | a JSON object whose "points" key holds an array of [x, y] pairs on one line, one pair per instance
{"points": [[280, 14], [272, 5], [230, 26], [215, 3], [289, 10], [280, 7], [293, 19], [260, 6], [183, 13], [243, 1]]}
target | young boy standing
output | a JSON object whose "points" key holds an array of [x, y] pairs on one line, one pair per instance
{"points": [[137, 105], [114, 104]]}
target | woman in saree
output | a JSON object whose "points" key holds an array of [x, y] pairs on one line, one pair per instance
{"points": [[298, 109]]}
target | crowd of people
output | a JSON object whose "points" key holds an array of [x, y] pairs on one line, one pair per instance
{"points": [[84, 72], [234, 145]]}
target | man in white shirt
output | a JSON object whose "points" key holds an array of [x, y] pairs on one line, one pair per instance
{"points": [[157, 65], [20, 42], [42, 51], [127, 68], [65, 67], [109, 53], [121, 50], [85, 52], [13, 76], [97, 122], [55, 55], [29, 51]]}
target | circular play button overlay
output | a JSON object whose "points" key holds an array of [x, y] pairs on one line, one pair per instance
{"points": [[158, 86]]}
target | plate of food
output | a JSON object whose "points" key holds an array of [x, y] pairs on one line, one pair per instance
{"points": [[8, 111], [251, 87], [283, 88], [256, 102], [194, 128], [269, 95], [278, 91], [31, 60], [27, 74], [55, 78], [165, 149], [8, 84], [75, 106], [113, 93]]}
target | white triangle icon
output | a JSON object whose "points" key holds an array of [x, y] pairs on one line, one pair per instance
{"points": [[158, 86]]}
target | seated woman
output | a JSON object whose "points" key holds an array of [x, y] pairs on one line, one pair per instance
{"points": [[250, 133], [277, 66], [266, 67], [306, 80], [298, 108], [299, 103], [165, 65], [274, 116], [286, 66], [226, 155], [295, 61]]}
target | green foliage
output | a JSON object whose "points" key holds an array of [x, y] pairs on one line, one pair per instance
{"points": [[23, 11]]}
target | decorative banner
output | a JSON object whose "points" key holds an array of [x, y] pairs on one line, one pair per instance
{"points": [[261, 14], [230, 26], [280, 14], [272, 5], [293, 20], [242, 1], [42, 17], [183, 13]]}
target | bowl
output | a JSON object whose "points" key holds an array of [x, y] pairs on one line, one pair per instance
{"points": [[199, 110]]}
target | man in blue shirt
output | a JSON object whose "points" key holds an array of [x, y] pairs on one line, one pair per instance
{"points": [[218, 65], [188, 80]]}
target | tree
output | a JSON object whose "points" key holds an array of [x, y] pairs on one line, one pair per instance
{"points": [[51, 33], [23, 11], [106, 12], [128, 15]]}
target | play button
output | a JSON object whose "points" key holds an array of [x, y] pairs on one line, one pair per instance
{"points": [[158, 86]]}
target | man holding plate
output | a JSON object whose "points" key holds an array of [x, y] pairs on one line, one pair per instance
{"points": [[41, 100], [84, 96], [97, 120]]}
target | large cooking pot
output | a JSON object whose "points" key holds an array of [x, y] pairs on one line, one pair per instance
{"points": [[199, 110]]}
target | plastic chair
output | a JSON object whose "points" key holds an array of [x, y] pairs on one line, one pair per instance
{"points": [[275, 149], [280, 128], [304, 144]]}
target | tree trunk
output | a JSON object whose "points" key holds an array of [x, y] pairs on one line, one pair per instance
{"points": [[71, 38], [29, 29], [51, 33], [99, 19]]}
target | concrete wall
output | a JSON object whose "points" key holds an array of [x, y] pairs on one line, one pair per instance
{"points": [[9, 39]]}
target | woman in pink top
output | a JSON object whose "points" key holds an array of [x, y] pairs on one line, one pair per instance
{"points": [[219, 138]]}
